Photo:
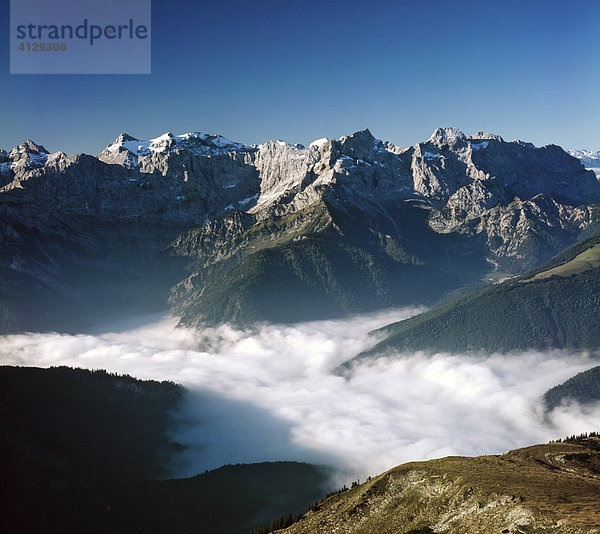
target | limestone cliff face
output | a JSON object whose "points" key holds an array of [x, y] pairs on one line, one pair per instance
{"points": [[195, 177], [517, 203]]}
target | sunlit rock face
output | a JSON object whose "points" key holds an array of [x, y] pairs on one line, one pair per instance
{"points": [[332, 215]]}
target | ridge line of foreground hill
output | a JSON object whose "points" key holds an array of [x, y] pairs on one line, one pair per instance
{"points": [[550, 488]]}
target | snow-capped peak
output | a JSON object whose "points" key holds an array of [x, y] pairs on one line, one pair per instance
{"points": [[589, 158], [318, 143], [27, 156], [27, 147], [125, 137], [199, 143], [585, 154]]}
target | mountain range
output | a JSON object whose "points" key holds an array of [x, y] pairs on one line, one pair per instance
{"points": [[223, 231], [501, 238]]}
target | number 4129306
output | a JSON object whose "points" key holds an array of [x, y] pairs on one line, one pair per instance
{"points": [[43, 47]]}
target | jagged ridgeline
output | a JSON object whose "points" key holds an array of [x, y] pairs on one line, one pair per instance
{"points": [[222, 231]]}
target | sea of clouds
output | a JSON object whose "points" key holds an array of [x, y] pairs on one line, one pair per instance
{"points": [[275, 392]]}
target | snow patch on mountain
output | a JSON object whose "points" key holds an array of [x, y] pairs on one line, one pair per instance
{"points": [[477, 146], [198, 143], [27, 156], [318, 143], [589, 158], [248, 200]]}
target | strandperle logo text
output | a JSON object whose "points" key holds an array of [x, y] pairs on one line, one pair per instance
{"points": [[85, 31]]}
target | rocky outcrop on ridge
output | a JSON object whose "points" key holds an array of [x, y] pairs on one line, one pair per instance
{"points": [[515, 203]]}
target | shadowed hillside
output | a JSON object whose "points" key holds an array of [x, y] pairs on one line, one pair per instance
{"points": [[83, 451], [555, 306]]}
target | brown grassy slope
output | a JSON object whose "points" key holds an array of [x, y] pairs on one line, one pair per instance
{"points": [[588, 259], [552, 488]]}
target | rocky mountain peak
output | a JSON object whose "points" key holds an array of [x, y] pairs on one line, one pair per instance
{"points": [[318, 143], [27, 147], [360, 145], [27, 155], [124, 137], [523, 143], [361, 137], [451, 137], [127, 150], [486, 135]]}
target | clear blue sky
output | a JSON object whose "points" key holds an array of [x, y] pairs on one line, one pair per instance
{"points": [[300, 70]]}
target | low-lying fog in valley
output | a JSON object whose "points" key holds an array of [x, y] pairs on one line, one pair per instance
{"points": [[274, 393]]}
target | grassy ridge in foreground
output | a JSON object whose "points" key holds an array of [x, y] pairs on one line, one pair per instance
{"points": [[533, 311], [549, 488]]}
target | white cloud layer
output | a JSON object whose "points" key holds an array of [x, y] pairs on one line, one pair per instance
{"points": [[272, 393]]}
